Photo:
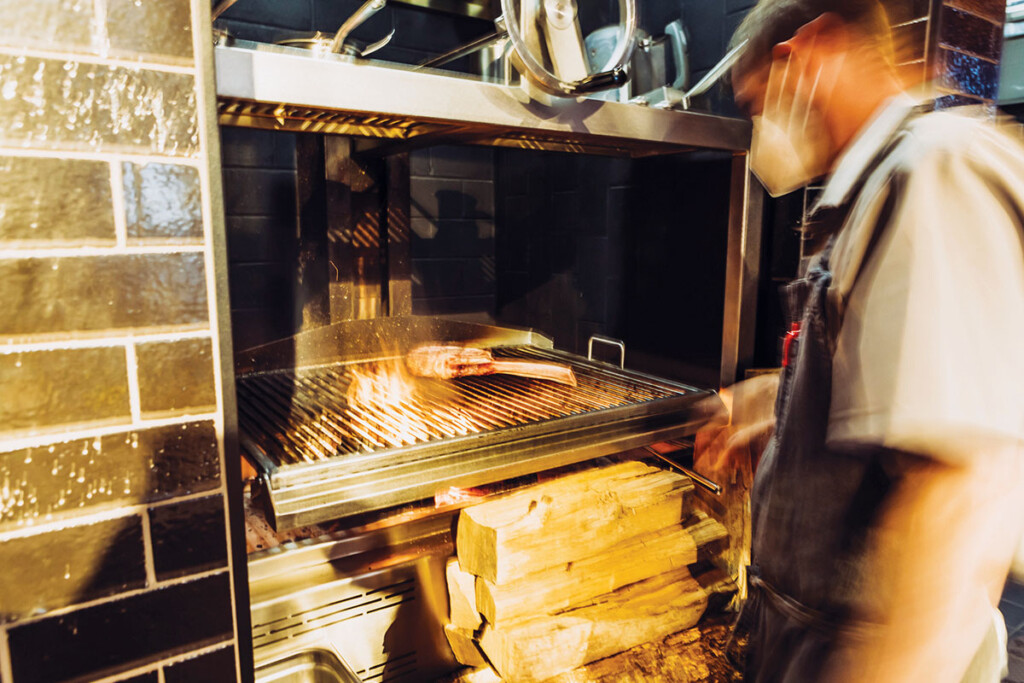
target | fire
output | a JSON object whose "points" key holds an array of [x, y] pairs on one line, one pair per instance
{"points": [[383, 392], [388, 407], [380, 385]]}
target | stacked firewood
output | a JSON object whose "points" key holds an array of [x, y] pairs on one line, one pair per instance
{"points": [[576, 569]]}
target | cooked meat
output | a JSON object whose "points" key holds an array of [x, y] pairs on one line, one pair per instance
{"points": [[448, 362]]}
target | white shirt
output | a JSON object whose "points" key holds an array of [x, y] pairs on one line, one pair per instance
{"points": [[930, 355]]}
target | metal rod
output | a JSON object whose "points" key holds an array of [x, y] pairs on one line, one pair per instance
{"points": [[369, 8], [698, 479], [222, 7], [463, 50], [717, 71]]}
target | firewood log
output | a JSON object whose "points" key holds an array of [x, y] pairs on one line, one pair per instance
{"points": [[539, 648], [573, 583], [462, 609], [567, 519]]}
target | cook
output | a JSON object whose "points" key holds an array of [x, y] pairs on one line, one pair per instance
{"points": [[888, 503]]}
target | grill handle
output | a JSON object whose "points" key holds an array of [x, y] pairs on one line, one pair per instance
{"points": [[621, 345], [698, 479]]}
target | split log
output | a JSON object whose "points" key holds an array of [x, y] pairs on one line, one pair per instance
{"points": [[464, 646], [710, 536], [462, 608], [537, 649], [557, 588], [567, 519]]}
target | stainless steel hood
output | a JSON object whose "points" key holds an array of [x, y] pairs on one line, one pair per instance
{"points": [[279, 88]]}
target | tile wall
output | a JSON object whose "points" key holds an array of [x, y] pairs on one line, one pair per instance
{"points": [[116, 562], [632, 249], [968, 44], [452, 195], [452, 189]]}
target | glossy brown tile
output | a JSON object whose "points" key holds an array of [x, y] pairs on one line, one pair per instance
{"points": [[968, 75], [44, 389], [65, 104], [910, 40], [54, 23], [123, 634], [902, 11], [157, 29], [43, 296], [966, 32], [994, 10], [176, 376], [162, 201], [214, 667], [188, 537], [127, 468], [55, 200], [69, 566]]}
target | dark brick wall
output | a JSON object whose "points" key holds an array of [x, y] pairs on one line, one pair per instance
{"points": [[114, 548], [451, 188], [453, 232], [632, 249], [968, 39]]}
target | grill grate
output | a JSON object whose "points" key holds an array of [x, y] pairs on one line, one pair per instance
{"points": [[304, 415]]}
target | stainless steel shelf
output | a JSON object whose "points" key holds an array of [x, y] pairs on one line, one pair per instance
{"points": [[280, 88]]}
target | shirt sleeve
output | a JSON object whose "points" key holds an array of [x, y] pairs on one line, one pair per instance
{"points": [[930, 355]]}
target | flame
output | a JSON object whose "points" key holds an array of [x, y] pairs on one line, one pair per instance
{"points": [[380, 385], [383, 390], [388, 410]]}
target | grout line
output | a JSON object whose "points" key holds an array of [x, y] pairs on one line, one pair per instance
{"points": [[39, 441], [97, 60], [911, 22], [185, 498], [967, 53], [99, 25], [117, 196], [160, 675], [100, 342], [134, 394], [122, 596], [84, 520], [74, 252], [6, 670], [147, 550], [141, 159]]}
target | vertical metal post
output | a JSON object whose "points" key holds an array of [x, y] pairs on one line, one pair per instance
{"points": [[312, 309], [743, 269], [398, 282]]}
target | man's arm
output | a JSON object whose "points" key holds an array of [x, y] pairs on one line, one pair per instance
{"points": [[937, 566]]}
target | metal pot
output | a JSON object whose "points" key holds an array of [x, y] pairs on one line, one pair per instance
{"points": [[649, 65]]}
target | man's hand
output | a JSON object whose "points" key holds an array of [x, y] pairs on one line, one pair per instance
{"points": [[737, 436]]}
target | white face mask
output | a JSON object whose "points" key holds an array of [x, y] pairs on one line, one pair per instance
{"points": [[790, 145]]}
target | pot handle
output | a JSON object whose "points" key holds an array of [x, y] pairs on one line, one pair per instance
{"points": [[676, 33]]}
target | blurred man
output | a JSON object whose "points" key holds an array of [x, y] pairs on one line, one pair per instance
{"points": [[889, 501]]}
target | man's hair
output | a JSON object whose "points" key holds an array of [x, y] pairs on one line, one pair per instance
{"points": [[772, 22]]}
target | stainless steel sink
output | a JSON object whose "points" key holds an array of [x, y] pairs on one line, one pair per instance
{"points": [[307, 666]]}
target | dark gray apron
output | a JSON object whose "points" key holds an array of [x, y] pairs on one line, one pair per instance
{"points": [[812, 506]]}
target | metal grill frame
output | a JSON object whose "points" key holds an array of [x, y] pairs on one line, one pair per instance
{"points": [[309, 493]]}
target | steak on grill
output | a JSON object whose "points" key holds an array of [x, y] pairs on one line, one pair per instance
{"points": [[448, 362]]}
